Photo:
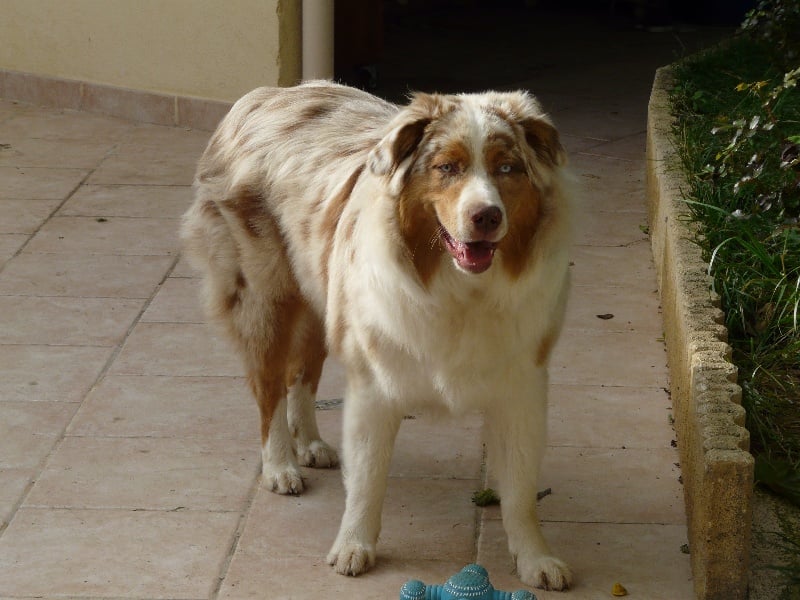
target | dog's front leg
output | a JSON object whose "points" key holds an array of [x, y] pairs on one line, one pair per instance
{"points": [[516, 440], [370, 428]]}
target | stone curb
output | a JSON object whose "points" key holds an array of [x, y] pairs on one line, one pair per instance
{"points": [[709, 419]]}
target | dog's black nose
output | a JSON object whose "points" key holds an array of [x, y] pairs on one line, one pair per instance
{"points": [[486, 220]]}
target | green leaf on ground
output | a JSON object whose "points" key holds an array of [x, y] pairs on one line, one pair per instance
{"points": [[487, 497]]}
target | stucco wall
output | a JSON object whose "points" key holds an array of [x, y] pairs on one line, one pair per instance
{"points": [[215, 49]]}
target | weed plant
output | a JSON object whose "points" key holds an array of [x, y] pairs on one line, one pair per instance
{"points": [[737, 110]]}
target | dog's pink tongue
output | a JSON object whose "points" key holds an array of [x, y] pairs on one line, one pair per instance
{"points": [[474, 257]]}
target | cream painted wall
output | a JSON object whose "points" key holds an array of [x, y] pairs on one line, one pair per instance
{"points": [[215, 49]]}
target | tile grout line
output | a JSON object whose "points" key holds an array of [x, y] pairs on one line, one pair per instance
{"points": [[66, 199], [128, 509], [244, 514], [141, 184], [103, 371], [117, 348], [41, 465]]}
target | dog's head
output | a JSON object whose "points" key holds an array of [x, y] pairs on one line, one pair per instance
{"points": [[471, 175]]}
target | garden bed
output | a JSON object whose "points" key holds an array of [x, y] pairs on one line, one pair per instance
{"points": [[713, 442], [724, 197]]}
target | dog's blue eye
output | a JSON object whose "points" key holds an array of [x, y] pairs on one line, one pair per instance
{"points": [[446, 168], [506, 168]]}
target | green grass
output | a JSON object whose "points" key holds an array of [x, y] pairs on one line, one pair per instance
{"points": [[747, 205], [738, 131]]}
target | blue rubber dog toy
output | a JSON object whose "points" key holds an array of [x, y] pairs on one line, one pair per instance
{"points": [[472, 583]]}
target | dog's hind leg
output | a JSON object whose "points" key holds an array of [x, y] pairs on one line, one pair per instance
{"points": [[250, 290], [262, 328], [302, 378], [266, 363]]}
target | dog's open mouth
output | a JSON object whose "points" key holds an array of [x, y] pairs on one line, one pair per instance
{"points": [[474, 257]]}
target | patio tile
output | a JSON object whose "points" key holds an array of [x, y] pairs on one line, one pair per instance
{"points": [[574, 144], [611, 229], [39, 183], [605, 123], [113, 235], [631, 147], [25, 216], [188, 349], [144, 201], [635, 359], [428, 519], [25, 151], [639, 485], [76, 275], [180, 407], [306, 525], [13, 483], [28, 431], [645, 558], [252, 577], [619, 309], [178, 301], [184, 269], [9, 244], [609, 417], [114, 553], [67, 321], [153, 155], [44, 124], [49, 373], [609, 184], [444, 448], [148, 474], [165, 140], [140, 167], [628, 267]]}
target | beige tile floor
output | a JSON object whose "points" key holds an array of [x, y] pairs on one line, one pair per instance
{"points": [[128, 442]]}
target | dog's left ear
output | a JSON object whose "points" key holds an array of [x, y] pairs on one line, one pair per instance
{"points": [[524, 110], [395, 153], [542, 136]]}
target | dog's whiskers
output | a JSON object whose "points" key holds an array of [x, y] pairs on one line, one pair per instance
{"points": [[436, 237]]}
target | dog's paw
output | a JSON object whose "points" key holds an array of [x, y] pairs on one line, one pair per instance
{"points": [[352, 558], [545, 572], [283, 480], [318, 454]]}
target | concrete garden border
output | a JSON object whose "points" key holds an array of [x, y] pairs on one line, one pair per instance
{"points": [[709, 419]]}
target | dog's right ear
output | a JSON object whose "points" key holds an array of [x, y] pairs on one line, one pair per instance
{"points": [[394, 154]]}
